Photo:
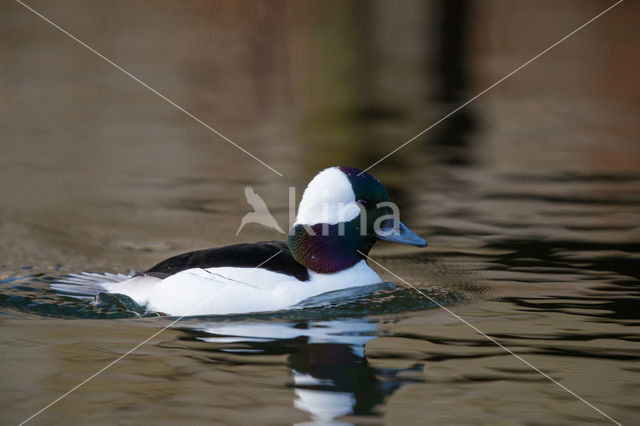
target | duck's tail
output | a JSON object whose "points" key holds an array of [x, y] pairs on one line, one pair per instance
{"points": [[86, 285]]}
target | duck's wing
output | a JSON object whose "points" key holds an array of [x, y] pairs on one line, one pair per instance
{"points": [[276, 254]]}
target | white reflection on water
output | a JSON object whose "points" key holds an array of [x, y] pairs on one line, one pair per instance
{"points": [[328, 364]]}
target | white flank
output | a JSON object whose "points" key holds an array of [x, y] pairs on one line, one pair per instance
{"points": [[235, 290]]}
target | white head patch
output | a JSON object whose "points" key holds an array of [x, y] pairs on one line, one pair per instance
{"points": [[328, 198]]}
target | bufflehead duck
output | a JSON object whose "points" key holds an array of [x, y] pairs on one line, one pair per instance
{"points": [[343, 212]]}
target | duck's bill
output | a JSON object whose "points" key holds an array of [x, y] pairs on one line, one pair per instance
{"points": [[397, 232]]}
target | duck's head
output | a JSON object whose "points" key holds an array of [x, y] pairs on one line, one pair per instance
{"points": [[343, 212]]}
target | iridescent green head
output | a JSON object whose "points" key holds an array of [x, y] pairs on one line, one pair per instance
{"points": [[343, 212]]}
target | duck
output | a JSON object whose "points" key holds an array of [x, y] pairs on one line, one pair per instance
{"points": [[343, 212]]}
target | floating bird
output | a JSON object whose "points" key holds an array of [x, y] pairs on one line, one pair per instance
{"points": [[343, 212]]}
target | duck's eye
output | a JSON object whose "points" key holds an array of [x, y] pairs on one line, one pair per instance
{"points": [[362, 202]]}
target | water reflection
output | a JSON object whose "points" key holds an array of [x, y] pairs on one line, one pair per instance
{"points": [[330, 374], [451, 69]]}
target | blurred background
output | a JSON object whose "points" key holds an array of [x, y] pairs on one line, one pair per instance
{"points": [[529, 196]]}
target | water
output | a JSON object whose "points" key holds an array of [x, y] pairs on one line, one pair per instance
{"points": [[529, 198]]}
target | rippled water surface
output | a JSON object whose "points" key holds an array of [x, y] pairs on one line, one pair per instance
{"points": [[529, 198]]}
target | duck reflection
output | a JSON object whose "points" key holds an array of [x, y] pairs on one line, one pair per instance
{"points": [[331, 376]]}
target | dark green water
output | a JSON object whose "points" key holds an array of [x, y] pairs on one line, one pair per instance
{"points": [[529, 198]]}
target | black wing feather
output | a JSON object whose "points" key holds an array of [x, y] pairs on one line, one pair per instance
{"points": [[238, 255]]}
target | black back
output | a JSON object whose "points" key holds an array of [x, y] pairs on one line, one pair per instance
{"points": [[238, 255]]}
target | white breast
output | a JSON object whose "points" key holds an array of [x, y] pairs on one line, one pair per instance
{"points": [[235, 290]]}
